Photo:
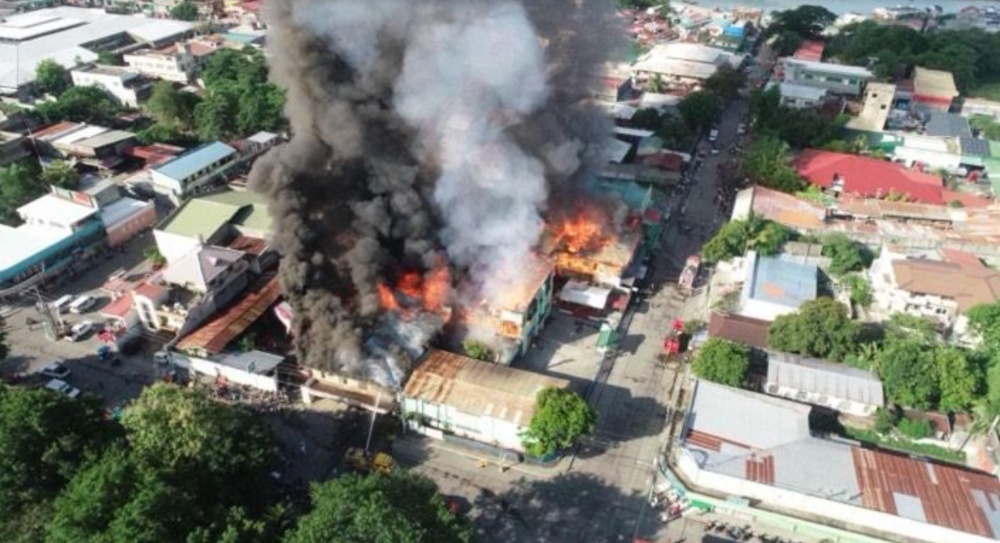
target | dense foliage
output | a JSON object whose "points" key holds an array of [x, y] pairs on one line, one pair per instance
{"points": [[699, 110], [171, 107], [92, 105], [767, 163], [821, 328], [51, 77], [239, 100], [561, 417], [184, 11], [846, 255], [798, 128], [735, 238], [791, 27], [400, 507], [61, 174], [722, 361], [19, 184]]}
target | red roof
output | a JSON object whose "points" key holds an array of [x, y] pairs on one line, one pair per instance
{"points": [[665, 161], [810, 50], [226, 326], [967, 200], [869, 177], [945, 493], [250, 245], [150, 290], [118, 308], [961, 257]]}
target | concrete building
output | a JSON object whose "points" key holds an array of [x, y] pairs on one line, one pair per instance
{"points": [[801, 96], [847, 174], [761, 448], [126, 218], [835, 78], [450, 394], [127, 86], [938, 290], [256, 369], [835, 386], [194, 171], [96, 146], [57, 236], [72, 36], [218, 219], [175, 63], [683, 64], [980, 106], [775, 286], [933, 89], [878, 102]]}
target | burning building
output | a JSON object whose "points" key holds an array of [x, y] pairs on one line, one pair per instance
{"points": [[416, 182]]}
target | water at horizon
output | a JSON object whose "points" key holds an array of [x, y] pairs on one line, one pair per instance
{"points": [[864, 7]]}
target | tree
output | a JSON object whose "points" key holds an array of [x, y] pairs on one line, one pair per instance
{"points": [[726, 82], [154, 255], [475, 349], [861, 290], [376, 509], [216, 115], [44, 439], [171, 107], [908, 374], [915, 429], [807, 21], [699, 109], [169, 135], [239, 99], [767, 162], [61, 174], [820, 328], [722, 361], [646, 118], [986, 125], [4, 347], [184, 11], [957, 380], [108, 58], [787, 42], [984, 319], [91, 105], [846, 255], [885, 420], [906, 327], [51, 77], [735, 238], [561, 417], [19, 184]]}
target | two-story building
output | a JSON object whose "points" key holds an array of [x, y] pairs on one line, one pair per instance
{"points": [[194, 171], [938, 290], [835, 78], [128, 87], [180, 62]]}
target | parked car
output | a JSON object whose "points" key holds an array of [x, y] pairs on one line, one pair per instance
{"points": [[62, 304], [713, 135], [82, 304], [56, 370], [80, 330], [62, 387], [741, 129]]}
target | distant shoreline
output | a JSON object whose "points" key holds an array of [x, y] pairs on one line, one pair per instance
{"points": [[864, 7]]}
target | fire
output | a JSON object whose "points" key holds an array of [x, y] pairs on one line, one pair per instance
{"points": [[583, 232], [413, 291]]}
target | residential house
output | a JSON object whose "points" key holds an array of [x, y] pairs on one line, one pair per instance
{"points": [[939, 290], [843, 173], [126, 218], [222, 219], [128, 87], [180, 63], [96, 146], [775, 286], [194, 171], [740, 329], [878, 100], [810, 50], [349, 389], [801, 96], [450, 394], [762, 448], [255, 369], [250, 148], [832, 385], [933, 89], [980, 106], [947, 125], [835, 78], [683, 64]]}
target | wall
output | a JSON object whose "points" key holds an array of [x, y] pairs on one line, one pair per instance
{"points": [[267, 383], [124, 230], [812, 505], [488, 430]]}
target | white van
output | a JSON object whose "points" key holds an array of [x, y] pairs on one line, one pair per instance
{"points": [[62, 304], [82, 304]]}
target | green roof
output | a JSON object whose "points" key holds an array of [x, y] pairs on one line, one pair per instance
{"points": [[205, 215]]}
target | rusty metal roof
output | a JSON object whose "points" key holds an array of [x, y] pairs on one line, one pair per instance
{"points": [[213, 336], [478, 388]]}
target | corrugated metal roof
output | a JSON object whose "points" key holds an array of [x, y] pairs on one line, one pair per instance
{"points": [[747, 330], [814, 376], [947, 125], [974, 146], [213, 336], [187, 164], [478, 388]]}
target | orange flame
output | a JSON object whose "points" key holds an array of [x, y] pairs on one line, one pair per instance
{"points": [[437, 286], [386, 299], [429, 292], [583, 232]]}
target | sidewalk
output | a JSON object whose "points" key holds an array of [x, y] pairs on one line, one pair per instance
{"points": [[414, 447]]}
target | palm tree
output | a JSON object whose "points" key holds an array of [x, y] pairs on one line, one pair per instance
{"points": [[868, 354], [983, 420]]}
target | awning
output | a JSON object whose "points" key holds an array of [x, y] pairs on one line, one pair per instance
{"points": [[579, 293]]}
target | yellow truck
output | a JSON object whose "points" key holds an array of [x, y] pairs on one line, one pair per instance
{"points": [[363, 462]]}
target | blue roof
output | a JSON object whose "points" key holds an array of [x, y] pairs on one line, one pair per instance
{"points": [[191, 161], [783, 282], [243, 38]]}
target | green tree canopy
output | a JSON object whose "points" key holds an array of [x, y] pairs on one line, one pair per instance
{"points": [[379, 509], [171, 107], [957, 379], [767, 163], [807, 21], [4, 346], [561, 417], [61, 174], [646, 118], [909, 374], [699, 109], [860, 288], [735, 238], [92, 105], [984, 319], [846, 255], [820, 328], [722, 361], [19, 184], [51, 77], [184, 11], [725, 82]]}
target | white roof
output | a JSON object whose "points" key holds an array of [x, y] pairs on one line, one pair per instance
{"points": [[658, 101], [928, 143], [576, 292], [694, 52], [121, 210], [23, 242], [801, 92], [53, 209], [679, 68], [26, 41], [615, 150], [754, 420], [262, 137], [829, 67], [85, 131], [634, 132]]}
